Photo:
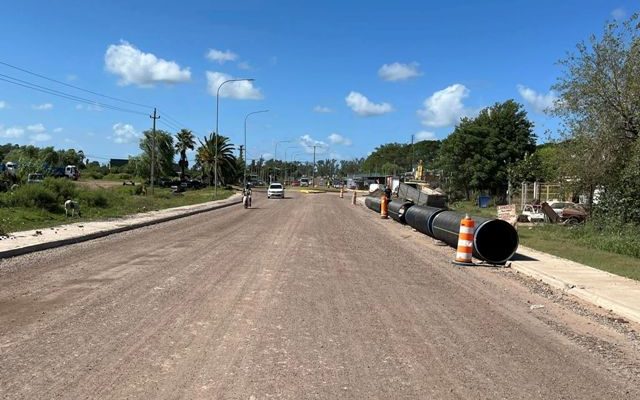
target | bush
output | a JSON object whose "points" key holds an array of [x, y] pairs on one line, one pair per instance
{"points": [[95, 199], [37, 196], [95, 175], [63, 189], [137, 190], [124, 176]]}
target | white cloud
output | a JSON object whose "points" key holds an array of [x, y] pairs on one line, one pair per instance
{"points": [[424, 135], [307, 143], [3, 104], [336, 138], [40, 137], [444, 107], [541, 103], [36, 128], [221, 57], [57, 130], [11, 133], [42, 107], [267, 156], [244, 65], [399, 72], [242, 90], [321, 109], [365, 108], [142, 69], [619, 13], [124, 133]]}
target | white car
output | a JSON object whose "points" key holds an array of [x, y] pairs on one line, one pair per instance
{"points": [[275, 190], [533, 212]]}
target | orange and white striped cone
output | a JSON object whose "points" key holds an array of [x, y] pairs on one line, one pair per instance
{"points": [[464, 253], [341, 193], [353, 199], [384, 207]]}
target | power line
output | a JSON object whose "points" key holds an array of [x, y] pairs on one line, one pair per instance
{"points": [[73, 86], [43, 89]]}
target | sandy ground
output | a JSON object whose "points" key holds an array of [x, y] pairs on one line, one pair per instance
{"points": [[306, 297], [99, 184]]}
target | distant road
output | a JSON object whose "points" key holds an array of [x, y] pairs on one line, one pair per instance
{"points": [[303, 298]]}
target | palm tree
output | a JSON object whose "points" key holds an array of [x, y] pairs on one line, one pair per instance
{"points": [[206, 156], [185, 141]]}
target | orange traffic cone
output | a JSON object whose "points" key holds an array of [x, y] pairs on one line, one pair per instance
{"points": [[353, 199], [464, 253], [341, 193], [384, 207]]}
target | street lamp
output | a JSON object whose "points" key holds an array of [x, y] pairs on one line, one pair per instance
{"points": [[244, 179], [215, 160], [275, 152]]}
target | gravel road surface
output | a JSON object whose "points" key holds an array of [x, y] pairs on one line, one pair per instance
{"points": [[303, 298]]}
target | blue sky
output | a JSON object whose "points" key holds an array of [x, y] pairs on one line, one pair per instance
{"points": [[344, 75]]}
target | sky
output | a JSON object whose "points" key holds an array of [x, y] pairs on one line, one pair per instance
{"points": [[345, 76]]}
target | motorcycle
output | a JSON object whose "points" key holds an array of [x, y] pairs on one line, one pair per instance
{"points": [[246, 199]]}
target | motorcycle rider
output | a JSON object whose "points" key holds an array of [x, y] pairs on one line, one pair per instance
{"points": [[246, 200]]}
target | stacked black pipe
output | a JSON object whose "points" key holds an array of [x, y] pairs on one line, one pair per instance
{"points": [[494, 241], [398, 208], [372, 203]]}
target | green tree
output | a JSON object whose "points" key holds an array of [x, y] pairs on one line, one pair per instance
{"points": [[206, 157], [184, 141], [482, 151], [162, 143], [598, 103]]}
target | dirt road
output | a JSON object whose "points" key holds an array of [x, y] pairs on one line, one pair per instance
{"points": [[301, 298]]}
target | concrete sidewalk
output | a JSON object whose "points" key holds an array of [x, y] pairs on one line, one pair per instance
{"points": [[47, 238], [611, 292]]}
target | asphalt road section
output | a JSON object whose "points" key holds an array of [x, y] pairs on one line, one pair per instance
{"points": [[306, 297]]}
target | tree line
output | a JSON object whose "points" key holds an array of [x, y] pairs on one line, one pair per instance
{"points": [[597, 150]]}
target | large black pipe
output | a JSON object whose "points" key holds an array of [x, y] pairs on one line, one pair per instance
{"points": [[373, 203], [398, 208], [494, 240], [421, 218]]}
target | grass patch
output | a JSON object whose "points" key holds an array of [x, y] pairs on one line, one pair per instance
{"points": [[472, 209], [97, 204], [615, 251]]}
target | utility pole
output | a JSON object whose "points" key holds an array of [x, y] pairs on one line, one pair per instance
{"points": [[412, 155], [244, 166], [154, 117], [313, 171]]}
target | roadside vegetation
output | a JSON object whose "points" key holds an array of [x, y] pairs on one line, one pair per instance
{"points": [[42, 205]]}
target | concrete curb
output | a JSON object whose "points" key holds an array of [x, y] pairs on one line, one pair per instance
{"points": [[582, 293], [95, 235]]}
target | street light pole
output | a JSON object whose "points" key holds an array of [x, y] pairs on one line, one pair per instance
{"points": [[244, 179], [215, 160]]}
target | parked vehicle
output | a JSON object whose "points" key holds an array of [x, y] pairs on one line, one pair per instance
{"points": [[295, 182], [569, 212], [275, 190], [70, 171], [11, 168], [304, 182], [35, 178], [532, 213]]}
